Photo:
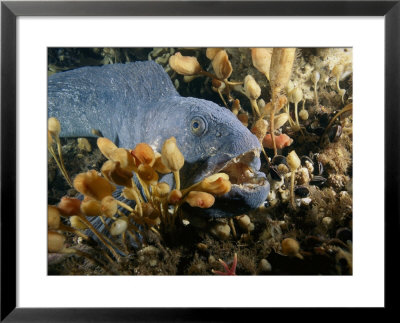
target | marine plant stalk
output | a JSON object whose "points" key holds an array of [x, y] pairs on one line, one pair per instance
{"points": [[297, 118], [190, 188], [212, 76], [232, 225], [292, 189], [254, 106], [60, 166], [134, 237], [104, 223], [145, 188], [73, 230], [316, 95], [177, 180], [99, 236], [296, 114], [348, 107], [134, 188], [280, 70], [266, 156], [124, 205], [291, 122], [85, 255], [156, 231], [62, 161], [137, 198], [123, 238], [273, 126]]}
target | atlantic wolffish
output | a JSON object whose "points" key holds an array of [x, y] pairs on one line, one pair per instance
{"points": [[137, 102]]}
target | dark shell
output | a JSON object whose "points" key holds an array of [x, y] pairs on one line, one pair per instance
{"points": [[344, 234], [318, 181], [318, 167], [301, 191], [324, 119], [303, 160], [334, 133], [279, 159], [312, 241], [275, 174], [319, 131], [337, 242]]}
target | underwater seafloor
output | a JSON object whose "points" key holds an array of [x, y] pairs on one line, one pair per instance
{"points": [[319, 226]]}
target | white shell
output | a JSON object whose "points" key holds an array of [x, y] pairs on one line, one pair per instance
{"points": [[118, 227]]}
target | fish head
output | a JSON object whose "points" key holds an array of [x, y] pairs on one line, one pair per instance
{"points": [[212, 140]]}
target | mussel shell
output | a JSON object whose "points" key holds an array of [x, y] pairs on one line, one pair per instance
{"points": [[301, 191], [312, 241], [275, 175], [279, 159], [324, 119], [303, 160], [315, 128], [318, 181], [337, 242], [318, 167], [344, 234], [334, 133], [319, 131]]}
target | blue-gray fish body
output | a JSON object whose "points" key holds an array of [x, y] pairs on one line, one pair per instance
{"points": [[137, 102]]}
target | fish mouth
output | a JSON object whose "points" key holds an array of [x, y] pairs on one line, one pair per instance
{"points": [[249, 187], [243, 171]]}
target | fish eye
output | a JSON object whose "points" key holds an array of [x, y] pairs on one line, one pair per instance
{"points": [[198, 126]]}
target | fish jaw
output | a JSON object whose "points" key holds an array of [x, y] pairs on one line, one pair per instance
{"points": [[249, 188], [240, 199]]}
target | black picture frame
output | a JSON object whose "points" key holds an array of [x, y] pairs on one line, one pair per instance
{"points": [[10, 10]]}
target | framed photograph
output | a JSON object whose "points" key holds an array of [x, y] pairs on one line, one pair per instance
{"points": [[190, 140]]}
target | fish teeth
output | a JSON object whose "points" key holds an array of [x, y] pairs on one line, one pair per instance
{"points": [[249, 173]]}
